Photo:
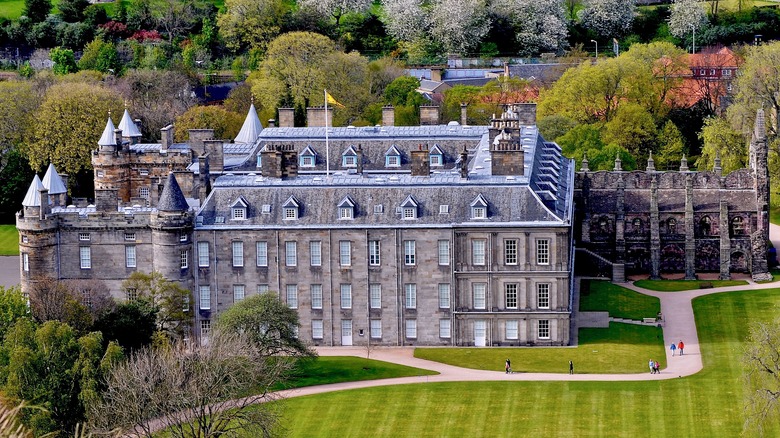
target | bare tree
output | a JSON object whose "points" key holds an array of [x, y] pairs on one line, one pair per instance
{"points": [[762, 374], [75, 302], [193, 391]]}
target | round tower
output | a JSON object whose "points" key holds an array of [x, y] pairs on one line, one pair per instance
{"points": [[111, 162], [37, 237], [172, 227]]}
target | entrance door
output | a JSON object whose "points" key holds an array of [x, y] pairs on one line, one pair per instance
{"points": [[346, 332], [480, 333]]}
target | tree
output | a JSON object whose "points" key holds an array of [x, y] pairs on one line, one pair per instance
{"points": [[720, 138], [101, 56], [77, 303], [225, 124], [346, 75], [268, 324], [686, 16], [540, 25], [554, 126], [608, 18], [18, 102], [668, 66], [251, 24], [36, 10], [68, 124], [459, 25], [758, 86], [130, 324], [72, 11], [291, 73], [402, 95], [176, 17], [193, 391], [170, 299], [64, 61], [405, 20], [761, 362], [13, 306], [156, 97], [336, 8], [633, 129], [671, 146]]}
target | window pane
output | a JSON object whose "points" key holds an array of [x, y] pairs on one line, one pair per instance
{"points": [[291, 253], [510, 252], [316, 296], [444, 295], [315, 249], [409, 252], [238, 292], [478, 252], [374, 258], [262, 288], [262, 253], [345, 253], [346, 296], [238, 254], [375, 295], [510, 295], [543, 252], [479, 295], [376, 328], [85, 257], [130, 256], [544, 329], [203, 254], [316, 328], [444, 252], [205, 297], [411, 328], [445, 328], [185, 259], [410, 295], [543, 295], [511, 329], [292, 296]]}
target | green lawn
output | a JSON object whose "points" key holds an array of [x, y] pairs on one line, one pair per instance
{"points": [[330, 369], [601, 295], [680, 285], [623, 348], [708, 404], [11, 8], [9, 240]]}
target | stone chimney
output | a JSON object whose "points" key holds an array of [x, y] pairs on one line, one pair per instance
{"points": [[436, 73], [359, 159], [204, 176], [197, 138], [166, 138], [429, 115], [214, 149], [421, 161], [271, 123], [464, 117], [106, 200], [279, 161], [315, 116], [464, 164], [526, 113], [388, 115], [506, 69], [506, 156], [43, 198], [286, 117], [118, 137]]}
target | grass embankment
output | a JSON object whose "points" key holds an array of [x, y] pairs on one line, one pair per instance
{"points": [[681, 285], [601, 295], [11, 9], [622, 348], [336, 369], [706, 404], [9, 240]]}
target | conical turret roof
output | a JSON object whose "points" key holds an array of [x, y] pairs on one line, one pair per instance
{"points": [[53, 181], [33, 197], [251, 128], [108, 139], [128, 126], [172, 198]]}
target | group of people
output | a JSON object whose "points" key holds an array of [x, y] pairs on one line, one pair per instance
{"points": [[680, 346], [654, 366]]}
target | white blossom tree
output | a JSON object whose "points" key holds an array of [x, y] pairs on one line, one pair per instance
{"points": [[405, 20], [541, 25], [459, 25], [336, 8], [685, 17], [608, 18]]}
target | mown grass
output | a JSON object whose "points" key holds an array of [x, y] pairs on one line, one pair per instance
{"points": [[601, 295], [680, 285], [9, 240], [622, 348], [11, 9], [335, 369], [708, 404]]}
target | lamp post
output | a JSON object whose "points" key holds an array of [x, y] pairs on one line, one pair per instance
{"points": [[597, 48], [693, 47]]}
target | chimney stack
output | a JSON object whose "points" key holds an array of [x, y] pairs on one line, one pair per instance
{"points": [[436, 73], [106, 200], [429, 115], [388, 115], [118, 137], [421, 161], [43, 198], [271, 123], [464, 164], [464, 118], [359, 159], [286, 117], [166, 138]]}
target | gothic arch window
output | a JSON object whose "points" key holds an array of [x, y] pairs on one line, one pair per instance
{"points": [[738, 226], [705, 226], [671, 226]]}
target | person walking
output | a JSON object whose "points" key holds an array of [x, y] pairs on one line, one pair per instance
{"points": [[656, 367], [571, 367], [651, 364], [508, 366], [680, 347], [673, 347]]}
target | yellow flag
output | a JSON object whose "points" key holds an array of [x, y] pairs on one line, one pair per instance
{"points": [[332, 101]]}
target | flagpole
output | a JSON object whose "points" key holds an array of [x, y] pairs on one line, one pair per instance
{"points": [[327, 148]]}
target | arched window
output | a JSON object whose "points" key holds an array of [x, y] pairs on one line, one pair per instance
{"points": [[705, 226], [737, 226], [671, 226], [637, 225]]}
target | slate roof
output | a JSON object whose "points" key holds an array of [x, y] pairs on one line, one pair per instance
{"points": [[33, 198], [128, 127], [53, 182], [172, 198], [251, 127], [108, 139]]}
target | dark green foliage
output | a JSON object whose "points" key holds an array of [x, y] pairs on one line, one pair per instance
{"points": [[15, 175], [37, 10], [131, 324], [365, 34], [401, 91], [72, 11], [95, 15]]}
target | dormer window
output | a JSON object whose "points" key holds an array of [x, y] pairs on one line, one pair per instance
{"points": [[349, 158], [436, 156], [259, 161], [479, 207], [308, 157], [290, 208], [393, 157], [238, 210], [346, 209], [409, 208]]}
